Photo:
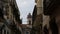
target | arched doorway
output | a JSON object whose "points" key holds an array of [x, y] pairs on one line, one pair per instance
{"points": [[53, 26], [46, 30]]}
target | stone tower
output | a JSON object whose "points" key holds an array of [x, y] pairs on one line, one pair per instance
{"points": [[29, 19]]}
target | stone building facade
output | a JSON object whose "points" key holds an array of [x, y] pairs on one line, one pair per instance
{"points": [[46, 14], [51, 9], [37, 19], [10, 17]]}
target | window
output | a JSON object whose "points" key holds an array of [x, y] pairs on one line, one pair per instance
{"points": [[5, 11], [29, 22], [7, 32], [10, 0], [27, 32]]}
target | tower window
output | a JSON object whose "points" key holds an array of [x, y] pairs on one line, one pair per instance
{"points": [[29, 22]]}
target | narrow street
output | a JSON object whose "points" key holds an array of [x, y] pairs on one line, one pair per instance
{"points": [[29, 16]]}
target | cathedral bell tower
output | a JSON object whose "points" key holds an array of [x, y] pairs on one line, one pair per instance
{"points": [[29, 19]]}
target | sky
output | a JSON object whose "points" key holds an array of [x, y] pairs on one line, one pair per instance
{"points": [[25, 7]]}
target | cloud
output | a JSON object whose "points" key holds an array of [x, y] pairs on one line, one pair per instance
{"points": [[24, 3]]}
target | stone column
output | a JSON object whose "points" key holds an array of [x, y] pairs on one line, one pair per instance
{"points": [[40, 15], [39, 7]]}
